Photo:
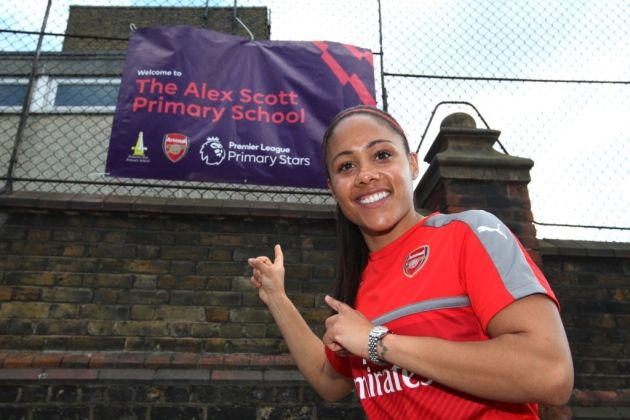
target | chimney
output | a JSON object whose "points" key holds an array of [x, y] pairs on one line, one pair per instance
{"points": [[465, 172]]}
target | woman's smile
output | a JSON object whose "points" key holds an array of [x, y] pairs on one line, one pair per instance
{"points": [[374, 197]]}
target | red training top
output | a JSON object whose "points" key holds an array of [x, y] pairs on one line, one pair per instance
{"points": [[446, 277]]}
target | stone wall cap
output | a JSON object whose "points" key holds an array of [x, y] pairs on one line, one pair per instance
{"points": [[484, 137], [115, 203], [458, 120], [594, 249]]}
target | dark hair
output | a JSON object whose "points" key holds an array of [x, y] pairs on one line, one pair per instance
{"points": [[353, 251]]}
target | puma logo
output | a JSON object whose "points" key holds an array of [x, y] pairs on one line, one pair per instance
{"points": [[489, 229]]}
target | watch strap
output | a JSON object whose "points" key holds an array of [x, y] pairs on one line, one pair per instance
{"points": [[374, 337]]}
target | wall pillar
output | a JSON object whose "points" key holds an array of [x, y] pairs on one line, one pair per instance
{"points": [[466, 172]]}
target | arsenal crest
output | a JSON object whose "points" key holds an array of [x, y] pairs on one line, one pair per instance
{"points": [[175, 146], [415, 260]]}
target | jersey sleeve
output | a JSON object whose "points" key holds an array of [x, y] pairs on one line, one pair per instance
{"points": [[340, 364], [495, 267]]}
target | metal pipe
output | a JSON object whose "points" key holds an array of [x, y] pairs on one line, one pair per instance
{"points": [[8, 186]]}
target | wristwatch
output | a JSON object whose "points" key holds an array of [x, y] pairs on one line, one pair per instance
{"points": [[377, 334]]}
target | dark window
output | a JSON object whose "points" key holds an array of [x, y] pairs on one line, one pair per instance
{"points": [[86, 94], [12, 94]]}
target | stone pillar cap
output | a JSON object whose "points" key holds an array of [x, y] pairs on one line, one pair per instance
{"points": [[458, 120]]}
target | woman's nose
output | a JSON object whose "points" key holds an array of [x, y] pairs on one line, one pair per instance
{"points": [[367, 175]]}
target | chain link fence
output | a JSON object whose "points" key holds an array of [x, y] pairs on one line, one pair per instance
{"points": [[554, 77]]}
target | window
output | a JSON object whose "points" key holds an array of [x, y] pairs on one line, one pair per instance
{"points": [[12, 94], [79, 95], [86, 95], [60, 95]]}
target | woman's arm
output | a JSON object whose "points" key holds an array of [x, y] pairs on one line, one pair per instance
{"points": [[305, 347], [526, 360]]}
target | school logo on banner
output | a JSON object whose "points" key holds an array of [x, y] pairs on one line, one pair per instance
{"points": [[175, 146], [202, 106], [138, 151], [416, 260]]}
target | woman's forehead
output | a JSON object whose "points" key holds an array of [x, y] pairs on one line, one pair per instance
{"points": [[361, 121], [356, 124]]}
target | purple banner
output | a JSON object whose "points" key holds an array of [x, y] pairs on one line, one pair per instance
{"points": [[200, 105]]}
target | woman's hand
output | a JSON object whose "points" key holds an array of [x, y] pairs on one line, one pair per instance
{"points": [[268, 276], [347, 331]]}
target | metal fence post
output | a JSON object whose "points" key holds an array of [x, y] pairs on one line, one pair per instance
{"points": [[8, 186]]}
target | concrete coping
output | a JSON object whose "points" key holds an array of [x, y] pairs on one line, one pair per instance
{"points": [[61, 201], [566, 247]]}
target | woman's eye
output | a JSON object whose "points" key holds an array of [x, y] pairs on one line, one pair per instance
{"points": [[382, 155], [344, 167]]}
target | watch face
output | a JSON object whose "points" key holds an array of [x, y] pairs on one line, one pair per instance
{"points": [[379, 330]]}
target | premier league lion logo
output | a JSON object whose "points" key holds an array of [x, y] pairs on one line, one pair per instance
{"points": [[212, 151]]}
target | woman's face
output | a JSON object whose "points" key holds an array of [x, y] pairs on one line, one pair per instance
{"points": [[371, 176]]}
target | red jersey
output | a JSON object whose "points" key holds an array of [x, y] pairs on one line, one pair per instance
{"points": [[446, 277]]}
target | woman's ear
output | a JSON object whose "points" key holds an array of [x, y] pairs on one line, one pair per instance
{"points": [[330, 189], [413, 161]]}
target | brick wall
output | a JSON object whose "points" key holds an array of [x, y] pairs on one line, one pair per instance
{"points": [[145, 281], [110, 24], [175, 399], [592, 282], [101, 295], [142, 308]]}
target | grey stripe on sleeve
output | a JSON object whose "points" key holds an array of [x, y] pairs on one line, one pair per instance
{"points": [[424, 306], [518, 277]]}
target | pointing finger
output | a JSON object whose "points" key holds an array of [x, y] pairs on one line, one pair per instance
{"points": [[335, 304]]}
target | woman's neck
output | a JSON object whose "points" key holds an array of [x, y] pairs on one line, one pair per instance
{"points": [[378, 240]]}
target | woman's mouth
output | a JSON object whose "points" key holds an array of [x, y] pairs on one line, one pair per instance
{"points": [[373, 198]]}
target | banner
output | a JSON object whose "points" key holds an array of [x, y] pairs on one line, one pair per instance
{"points": [[200, 105]]}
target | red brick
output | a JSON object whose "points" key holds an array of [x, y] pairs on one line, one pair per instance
{"points": [[157, 360], [284, 360], [18, 360], [272, 360], [262, 360], [598, 398], [100, 360], [78, 360], [47, 360], [237, 359], [3, 355], [130, 360], [211, 360], [6, 293], [184, 360]]}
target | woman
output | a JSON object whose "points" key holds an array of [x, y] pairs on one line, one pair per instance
{"points": [[443, 316]]}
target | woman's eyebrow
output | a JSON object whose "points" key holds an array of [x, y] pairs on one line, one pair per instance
{"points": [[367, 146]]}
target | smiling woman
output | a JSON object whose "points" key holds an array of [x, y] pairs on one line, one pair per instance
{"points": [[437, 316], [371, 175]]}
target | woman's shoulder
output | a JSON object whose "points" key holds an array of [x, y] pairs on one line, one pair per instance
{"points": [[473, 218]]}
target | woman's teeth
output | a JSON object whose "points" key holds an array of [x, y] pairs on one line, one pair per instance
{"points": [[373, 198]]}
